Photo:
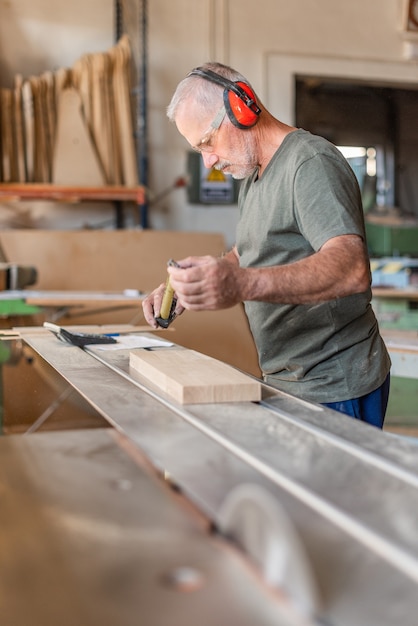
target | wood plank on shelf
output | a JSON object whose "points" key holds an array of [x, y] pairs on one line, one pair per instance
{"points": [[75, 161]]}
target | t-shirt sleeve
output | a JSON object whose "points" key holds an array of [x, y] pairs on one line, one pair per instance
{"points": [[327, 200]]}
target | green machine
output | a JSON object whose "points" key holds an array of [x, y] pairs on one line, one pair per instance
{"points": [[397, 240], [14, 278], [393, 249]]}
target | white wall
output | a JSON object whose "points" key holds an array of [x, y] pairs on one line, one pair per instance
{"points": [[36, 35], [39, 35]]}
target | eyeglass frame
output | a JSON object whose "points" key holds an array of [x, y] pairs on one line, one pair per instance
{"points": [[203, 145]]}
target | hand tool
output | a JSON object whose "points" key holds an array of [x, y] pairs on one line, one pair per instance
{"points": [[78, 339], [168, 305]]}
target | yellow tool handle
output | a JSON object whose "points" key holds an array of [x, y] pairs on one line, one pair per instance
{"points": [[167, 300]]}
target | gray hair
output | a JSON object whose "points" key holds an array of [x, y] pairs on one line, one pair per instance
{"points": [[208, 95]]}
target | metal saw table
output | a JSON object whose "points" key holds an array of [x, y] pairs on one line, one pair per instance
{"points": [[279, 511]]}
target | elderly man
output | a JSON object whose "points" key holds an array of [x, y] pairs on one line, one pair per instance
{"points": [[300, 262]]}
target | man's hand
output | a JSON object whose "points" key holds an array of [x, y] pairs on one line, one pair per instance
{"points": [[151, 306], [207, 283], [191, 282]]}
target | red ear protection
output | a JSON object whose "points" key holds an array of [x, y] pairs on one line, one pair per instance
{"points": [[239, 99]]}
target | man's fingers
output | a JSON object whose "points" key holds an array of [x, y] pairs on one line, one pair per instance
{"points": [[152, 304]]}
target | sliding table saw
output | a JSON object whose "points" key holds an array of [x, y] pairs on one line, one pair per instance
{"points": [[272, 512]]}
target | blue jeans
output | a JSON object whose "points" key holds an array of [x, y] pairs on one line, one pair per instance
{"points": [[370, 408]]}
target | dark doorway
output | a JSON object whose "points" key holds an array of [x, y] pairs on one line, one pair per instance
{"points": [[381, 119]]}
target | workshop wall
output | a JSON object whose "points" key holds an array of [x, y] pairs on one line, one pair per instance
{"points": [[40, 35]]}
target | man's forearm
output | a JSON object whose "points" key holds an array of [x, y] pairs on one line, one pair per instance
{"points": [[339, 269]]}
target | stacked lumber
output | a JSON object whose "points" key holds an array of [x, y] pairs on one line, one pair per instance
{"points": [[72, 126]]}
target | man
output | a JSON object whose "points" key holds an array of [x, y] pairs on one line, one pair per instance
{"points": [[300, 262]]}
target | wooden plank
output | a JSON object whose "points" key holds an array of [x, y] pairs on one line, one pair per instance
{"points": [[122, 88], [19, 130], [28, 129], [75, 161], [104, 260], [6, 134], [190, 377]]}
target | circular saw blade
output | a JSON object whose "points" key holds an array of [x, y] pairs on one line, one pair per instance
{"points": [[256, 521]]}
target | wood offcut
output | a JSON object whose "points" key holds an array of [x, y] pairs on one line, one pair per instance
{"points": [[190, 377]]}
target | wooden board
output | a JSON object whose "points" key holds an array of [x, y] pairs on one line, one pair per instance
{"points": [[103, 260], [75, 161], [191, 377]]}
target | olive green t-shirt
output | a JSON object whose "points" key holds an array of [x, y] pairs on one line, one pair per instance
{"points": [[325, 352]]}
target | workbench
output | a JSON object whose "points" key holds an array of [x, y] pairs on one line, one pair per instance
{"points": [[402, 346], [396, 308], [272, 512], [56, 304]]}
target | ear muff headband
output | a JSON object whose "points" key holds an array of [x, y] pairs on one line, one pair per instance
{"points": [[239, 99]]}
